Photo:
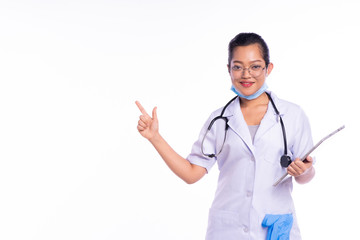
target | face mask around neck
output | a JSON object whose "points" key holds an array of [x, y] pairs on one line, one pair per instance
{"points": [[252, 96]]}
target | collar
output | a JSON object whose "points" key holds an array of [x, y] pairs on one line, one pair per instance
{"points": [[238, 124]]}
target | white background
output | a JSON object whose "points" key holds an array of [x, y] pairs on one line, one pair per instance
{"points": [[72, 164]]}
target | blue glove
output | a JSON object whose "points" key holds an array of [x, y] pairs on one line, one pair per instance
{"points": [[279, 226]]}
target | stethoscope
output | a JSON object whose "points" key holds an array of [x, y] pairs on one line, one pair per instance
{"points": [[285, 160]]}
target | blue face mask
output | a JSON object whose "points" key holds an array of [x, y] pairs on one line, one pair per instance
{"points": [[252, 96]]}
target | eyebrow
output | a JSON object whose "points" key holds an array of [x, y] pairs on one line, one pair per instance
{"points": [[237, 61]]}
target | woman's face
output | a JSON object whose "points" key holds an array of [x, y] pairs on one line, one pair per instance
{"points": [[245, 58]]}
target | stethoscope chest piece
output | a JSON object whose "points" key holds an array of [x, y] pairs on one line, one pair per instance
{"points": [[285, 161]]}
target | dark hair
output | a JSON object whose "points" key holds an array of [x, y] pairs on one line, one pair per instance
{"points": [[246, 39]]}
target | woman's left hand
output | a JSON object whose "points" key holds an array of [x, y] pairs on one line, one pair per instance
{"points": [[298, 167]]}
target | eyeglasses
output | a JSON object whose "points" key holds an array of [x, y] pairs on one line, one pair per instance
{"points": [[254, 70]]}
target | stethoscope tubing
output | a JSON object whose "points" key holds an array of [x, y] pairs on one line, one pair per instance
{"points": [[221, 116]]}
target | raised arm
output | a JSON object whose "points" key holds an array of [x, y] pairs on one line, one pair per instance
{"points": [[148, 127]]}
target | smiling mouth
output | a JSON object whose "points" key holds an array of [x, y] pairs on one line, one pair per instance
{"points": [[246, 84]]}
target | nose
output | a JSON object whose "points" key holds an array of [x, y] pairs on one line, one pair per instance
{"points": [[245, 73]]}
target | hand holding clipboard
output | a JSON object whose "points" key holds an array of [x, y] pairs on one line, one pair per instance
{"points": [[310, 151]]}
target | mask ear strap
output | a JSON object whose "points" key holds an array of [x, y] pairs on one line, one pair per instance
{"points": [[282, 127]]}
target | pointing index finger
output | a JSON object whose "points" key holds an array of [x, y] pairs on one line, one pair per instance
{"points": [[141, 108]]}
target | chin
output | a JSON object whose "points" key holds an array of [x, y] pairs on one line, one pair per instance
{"points": [[247, 92]]}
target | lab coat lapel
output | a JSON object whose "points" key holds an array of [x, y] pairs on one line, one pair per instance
{"points": [[237, 123], [269, 120]]}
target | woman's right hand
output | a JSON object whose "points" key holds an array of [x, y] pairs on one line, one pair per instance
{"points": [[147, 126]]}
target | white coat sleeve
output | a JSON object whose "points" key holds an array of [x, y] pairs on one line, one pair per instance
{"points": [[303, 138], [196, 157]]}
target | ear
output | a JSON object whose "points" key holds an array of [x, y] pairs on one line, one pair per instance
{"points": [[269, 69], [228, 67]]}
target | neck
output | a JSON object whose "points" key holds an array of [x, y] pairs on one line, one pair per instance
{"points": [[262, 99]]}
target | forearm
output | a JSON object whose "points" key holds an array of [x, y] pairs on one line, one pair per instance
{"points": [[180, 166], [306, 176]]}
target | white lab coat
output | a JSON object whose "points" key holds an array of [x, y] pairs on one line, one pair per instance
{"points": [[245, 191]]}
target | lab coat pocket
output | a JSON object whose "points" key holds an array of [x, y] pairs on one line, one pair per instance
{"points": [[223, 225]]}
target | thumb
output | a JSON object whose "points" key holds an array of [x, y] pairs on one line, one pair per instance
{"points": [[308, 159], [154, 114]]}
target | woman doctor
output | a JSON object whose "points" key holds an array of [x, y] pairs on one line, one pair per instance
{"points": [[246, 204]]}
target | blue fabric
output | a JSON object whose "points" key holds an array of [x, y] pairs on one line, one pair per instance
{"points": [[252, 96], [279, 226]]}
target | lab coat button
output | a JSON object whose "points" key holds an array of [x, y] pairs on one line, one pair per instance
{"points": [[253, 159], [249, 194], [246, 229]]}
